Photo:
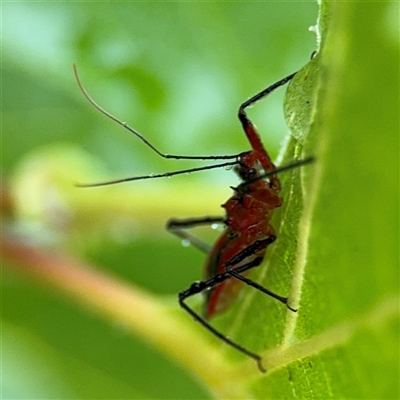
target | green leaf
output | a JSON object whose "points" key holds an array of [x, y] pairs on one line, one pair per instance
{"points": [[344, 340]]}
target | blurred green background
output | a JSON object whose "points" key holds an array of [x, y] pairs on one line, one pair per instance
{"points": [[177, 72]]}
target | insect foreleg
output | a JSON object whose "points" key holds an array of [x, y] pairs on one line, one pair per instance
{"points": [[178, 227], [193, 222]]}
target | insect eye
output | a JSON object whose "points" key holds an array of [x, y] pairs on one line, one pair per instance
{"points": [[250, 174]]}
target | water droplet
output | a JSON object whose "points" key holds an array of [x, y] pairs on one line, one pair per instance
{"points": [[185, 243]]}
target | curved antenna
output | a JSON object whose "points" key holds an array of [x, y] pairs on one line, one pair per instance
{"points": [[163, 175], [136, 133]]}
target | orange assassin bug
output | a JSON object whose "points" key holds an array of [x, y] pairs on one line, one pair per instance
{"points": [[247, 233]]}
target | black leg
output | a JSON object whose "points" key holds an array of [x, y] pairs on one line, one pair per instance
{"points": [[242, 114], [178, 227], [256, 246], [252, 134], [199, 287], [193, 222]]}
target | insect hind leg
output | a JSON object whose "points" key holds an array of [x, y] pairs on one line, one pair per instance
{"points": [[199, 287], [236, 272], [263, 94], [251, 131]]}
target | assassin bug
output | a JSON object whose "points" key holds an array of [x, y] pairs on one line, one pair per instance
{"points": [[248, 232]]}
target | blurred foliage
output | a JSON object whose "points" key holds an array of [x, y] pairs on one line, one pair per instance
{"points": [[177, 72]]}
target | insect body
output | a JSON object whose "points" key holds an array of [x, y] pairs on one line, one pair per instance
{"points": [[248, 232]]}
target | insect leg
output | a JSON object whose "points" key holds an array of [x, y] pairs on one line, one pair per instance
{"points": [[199, 287], [251, 133], [264, 93], [179, 228], [250, 250]]}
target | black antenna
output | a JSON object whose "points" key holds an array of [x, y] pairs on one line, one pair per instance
{"points": [[278, 170], [137, 134], [152, 176]]}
